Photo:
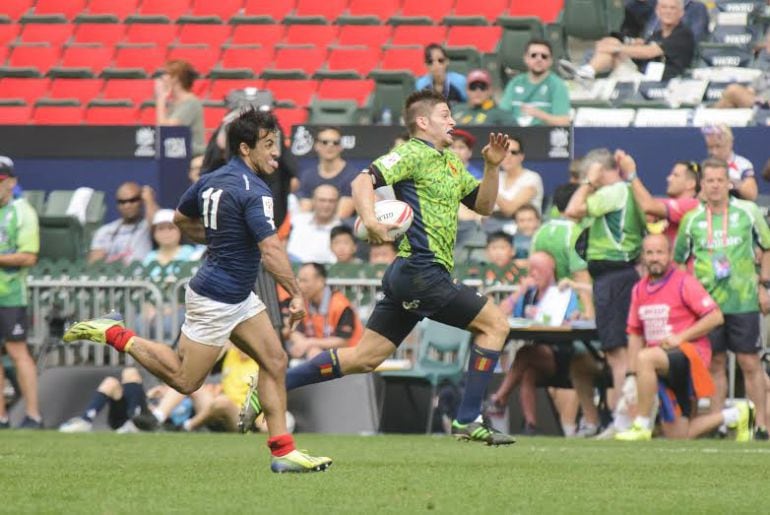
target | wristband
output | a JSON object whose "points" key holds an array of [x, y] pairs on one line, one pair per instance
{"points": [[631, 177]]}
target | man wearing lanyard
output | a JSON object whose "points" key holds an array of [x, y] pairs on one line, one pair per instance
{"points": [[721, 235]]}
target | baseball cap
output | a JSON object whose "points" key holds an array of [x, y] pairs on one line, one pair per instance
{"points": [[163, 216], [479, 75], [466, 136], [6, 167]]}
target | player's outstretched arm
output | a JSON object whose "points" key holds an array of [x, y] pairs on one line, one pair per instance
{"points": [[363, 197], [276, 262], [190, 227], [494, 153], [649, 204]]}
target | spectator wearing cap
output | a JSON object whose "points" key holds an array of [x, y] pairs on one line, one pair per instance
{"points": [[176, 104], [719, 145], [450, 84], [481, 108], [538, 97], [468, 221], [19, 247]]}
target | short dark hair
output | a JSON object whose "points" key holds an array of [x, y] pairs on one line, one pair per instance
{"points": [[338, 230], [420, 103], [539, 41], [245, 129], [517, 139], [499, 236], [328, 128], [527, 207], [318, 267], [430, 48], [693, 172], [563, 194]]}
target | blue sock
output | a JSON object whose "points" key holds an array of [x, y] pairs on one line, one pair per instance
{"points": [[480, 368], [98, 401], [324, 367], [133, 393]]}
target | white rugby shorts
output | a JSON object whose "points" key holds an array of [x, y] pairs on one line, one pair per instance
{"points": [[210, 322]]}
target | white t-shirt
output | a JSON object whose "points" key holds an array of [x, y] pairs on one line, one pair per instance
{"points": [[739, 168], [123, 242], [310, 241], [527, 178]]}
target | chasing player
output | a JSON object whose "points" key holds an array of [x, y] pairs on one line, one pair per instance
{"points": [[231, 211]]}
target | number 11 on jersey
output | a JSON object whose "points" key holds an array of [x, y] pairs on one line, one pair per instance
{"points": [[210, 207]]}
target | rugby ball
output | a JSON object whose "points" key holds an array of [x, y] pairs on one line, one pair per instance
{"points": [[388, 212]]}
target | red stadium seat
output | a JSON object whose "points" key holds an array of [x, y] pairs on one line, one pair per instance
{"points": [[148, 58], [58, 115], [83, 90], [290, 116], [110, 115], [3, 54], [359, 60], [160, 34], [170, 9], [147, 116], [265, 35], [212, 35], [87, 59], [107, 34], [408, 59], [201, 87], [15, 9], [435, 10], [304, 59], [273, 9], [8, 33], [39, 57], [54, 34], [483, 39], [369, 35], [328, 9], [252, 58], [201, 57], [68, 9], [134, 90], [319, 35], [118, 9], [546, 10], [28, 90], [418, 35], [212, 116], [222, 87], [489, 9], [298, 92], [222, 9], [380, 9], [15, 115], [358, 90]]}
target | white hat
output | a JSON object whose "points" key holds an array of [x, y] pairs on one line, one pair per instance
{"points": [[163, 216]]}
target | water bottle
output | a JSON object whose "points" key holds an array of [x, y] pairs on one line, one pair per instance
{"points": [[387, 117]]}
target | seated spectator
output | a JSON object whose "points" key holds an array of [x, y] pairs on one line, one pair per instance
{"points": [[670, 48], [481, 108], [556, 365], [382, 253], [330, 322], [500, 253], [176, 104], [450, 84], [696, 18], [719, 145], [527, 220], [126, 239], [311, 232], [739, 96], [125, 397], [402, 137], [518, 186], [331, 169], [468, 221], [343, 245], [538, 97]]}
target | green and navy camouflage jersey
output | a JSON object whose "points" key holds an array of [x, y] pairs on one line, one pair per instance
{"points": [[746, 227], [19, 232], [433, 183], [618, 226], [557, 238]]}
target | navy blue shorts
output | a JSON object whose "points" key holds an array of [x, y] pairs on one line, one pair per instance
{"points": [[612, 301], [414, 291], [739, 333]]}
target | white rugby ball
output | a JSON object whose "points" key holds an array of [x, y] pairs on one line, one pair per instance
{"points": [[388, 212]]}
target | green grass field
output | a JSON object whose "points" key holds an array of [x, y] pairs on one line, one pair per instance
{"points": [[207, 473]]}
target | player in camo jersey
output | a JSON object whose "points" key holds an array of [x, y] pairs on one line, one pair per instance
{"points": [[427, 175], [721, 235]]}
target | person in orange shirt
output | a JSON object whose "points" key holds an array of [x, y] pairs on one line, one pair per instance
{"points": [[330, 320]]}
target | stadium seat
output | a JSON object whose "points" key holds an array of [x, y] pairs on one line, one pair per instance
{"points": [[159, 34], [147, 115], [732, 29], [294, 92], [55, 34], [15, 114], [58, 115], [662, 117], [83, 61], [483, 39], [418, 35], [739, 6], [212, 116], [420, 12], [290, 116], [57, 10], [13, 10], [201, 87], [547, 10], [517, 31], [160, 11], [333, 112], [351, 62], [201, 57], [588, 19], [295, 62], [319, 35], [390, 91], [61, 237], [31, 60], [8, 33], [221, 87], [27, 90], [373, 36], [212, 11], [473, 12], [407, 59], [716, 54], [82, 90], [110, 115], [212, 35], [137, 61], [358, 90], [732, 117], [596, 117], [107, 34], [242, 62], [136, 91], [36, 199], [266, 35], [316, 11], [264, 11], [108, 10]]}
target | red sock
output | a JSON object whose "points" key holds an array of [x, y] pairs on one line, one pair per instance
{"points": [[118, 337], [281, 445]]}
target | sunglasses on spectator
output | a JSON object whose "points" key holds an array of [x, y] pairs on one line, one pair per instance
{"points": [[440, 60], [131, 200], [334, 142], [478, 86], [515, 152], [535, 55]]}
